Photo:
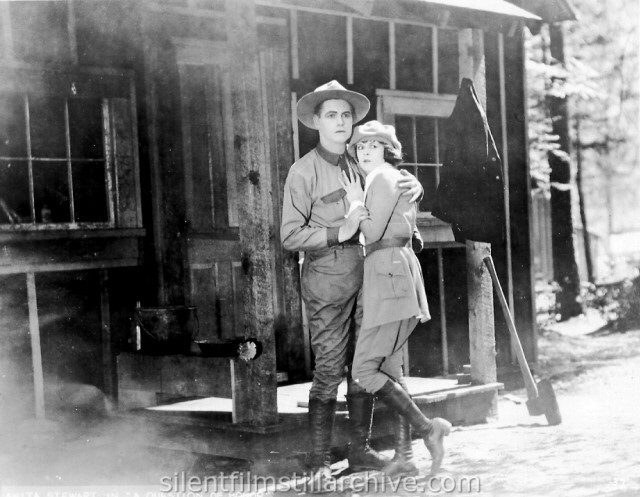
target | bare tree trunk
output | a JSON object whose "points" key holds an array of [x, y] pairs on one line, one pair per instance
{"points": [[565, 268], [583, 215]]}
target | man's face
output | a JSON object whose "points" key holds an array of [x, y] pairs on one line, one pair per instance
{"points": [[335, 121]]}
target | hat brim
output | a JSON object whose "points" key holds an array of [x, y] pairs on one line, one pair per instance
{"points": [[307, 104]]}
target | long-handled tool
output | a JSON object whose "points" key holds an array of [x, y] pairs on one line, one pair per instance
{"points": [[541, 398]]}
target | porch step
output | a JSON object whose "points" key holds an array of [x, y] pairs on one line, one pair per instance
{"points": [[285, 445]]}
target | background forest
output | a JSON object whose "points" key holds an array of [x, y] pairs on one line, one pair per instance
{"points": [[584, 113]]}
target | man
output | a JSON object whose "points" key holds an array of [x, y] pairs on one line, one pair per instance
{"points": [[314, 221]]}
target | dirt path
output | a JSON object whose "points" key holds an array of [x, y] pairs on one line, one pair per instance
{"points": [[594, 452]]}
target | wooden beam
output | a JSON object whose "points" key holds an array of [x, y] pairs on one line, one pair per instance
{"points": [[7, 35], [482, 338], [294, 126], [443, 314], [255, 383], [392, 56], [349, 50], [505, 170], [36, 352], [105, 318], [151, 64], [71, 30], [293, 26]]}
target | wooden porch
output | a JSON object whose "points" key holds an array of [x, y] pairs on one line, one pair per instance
{"points": [[463, 404]]}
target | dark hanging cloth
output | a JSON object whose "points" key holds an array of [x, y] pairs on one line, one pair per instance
{"points": [[470, 194]]}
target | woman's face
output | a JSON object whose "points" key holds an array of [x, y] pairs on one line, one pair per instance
{"points": [[370, 154]]}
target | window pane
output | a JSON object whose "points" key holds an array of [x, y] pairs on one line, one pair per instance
{"points": [[51, 191], [426, 139], [414, 64], [14, 192], [448, 69], [404, 132], [427, 177], [46, 116], [13, 128], [89, 192], [85, 128]]}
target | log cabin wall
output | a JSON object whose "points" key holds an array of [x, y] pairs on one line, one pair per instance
{"points": [[71, 223], [398, 59], [179, 158], [506, 114]]}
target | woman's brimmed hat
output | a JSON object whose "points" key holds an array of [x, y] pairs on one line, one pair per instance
{"points": [[331, 91], [374, 130]]}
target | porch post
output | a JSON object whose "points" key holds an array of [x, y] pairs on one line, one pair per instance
{"points": [[482, 339], [254, 384]]}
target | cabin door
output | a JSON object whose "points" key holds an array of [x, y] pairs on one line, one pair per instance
{"points": [[213, 251], [213, 254]]}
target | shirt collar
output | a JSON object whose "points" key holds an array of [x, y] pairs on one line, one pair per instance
{"points": [[330, 157]]}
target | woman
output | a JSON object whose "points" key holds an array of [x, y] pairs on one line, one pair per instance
{"points": [[394, 298]]}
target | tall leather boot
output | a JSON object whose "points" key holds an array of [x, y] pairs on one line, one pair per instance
{"points": [[321, 417], [361, 456], [432, 431], [402, 462]]}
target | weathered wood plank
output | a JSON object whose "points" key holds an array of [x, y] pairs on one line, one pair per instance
{"points": [[204, 298], [482, 340], [125, 164], [96, 251], [105, 315], [254, 384], [36, 352], [290, 343]]}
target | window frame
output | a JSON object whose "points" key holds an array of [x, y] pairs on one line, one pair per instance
{"points": [[30, 159], [115, 90], [392, 103]]}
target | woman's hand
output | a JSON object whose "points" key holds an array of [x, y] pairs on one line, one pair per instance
{"points": [[350, 227], [351, 185], [411, 186]]}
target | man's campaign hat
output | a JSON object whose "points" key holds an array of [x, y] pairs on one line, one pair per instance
{"points": [[331, 91]]}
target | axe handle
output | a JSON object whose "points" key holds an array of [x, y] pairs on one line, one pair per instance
{"points": [[529, 383]]}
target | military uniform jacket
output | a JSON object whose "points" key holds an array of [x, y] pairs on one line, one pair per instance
{"points": [[314, 204], [393, 286]]}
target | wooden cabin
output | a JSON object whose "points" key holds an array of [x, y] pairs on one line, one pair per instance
{"points": [[143, 151]]}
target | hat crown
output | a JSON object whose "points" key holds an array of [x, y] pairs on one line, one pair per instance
{"points": [[376, 127], [330, 86]]}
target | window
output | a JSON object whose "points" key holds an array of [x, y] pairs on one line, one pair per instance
{"points": [[53, 160], [425, 79], [68, 150], [420, 137], [418, 119]]}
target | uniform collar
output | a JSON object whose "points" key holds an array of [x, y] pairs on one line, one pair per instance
{"points": [[330, 157]]}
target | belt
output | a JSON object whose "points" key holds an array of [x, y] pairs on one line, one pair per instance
{"points": [[387, 243], [349, 243]]}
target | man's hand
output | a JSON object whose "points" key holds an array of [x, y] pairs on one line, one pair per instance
{"points": [[411, 186], [351, 185], [348, 229]]}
